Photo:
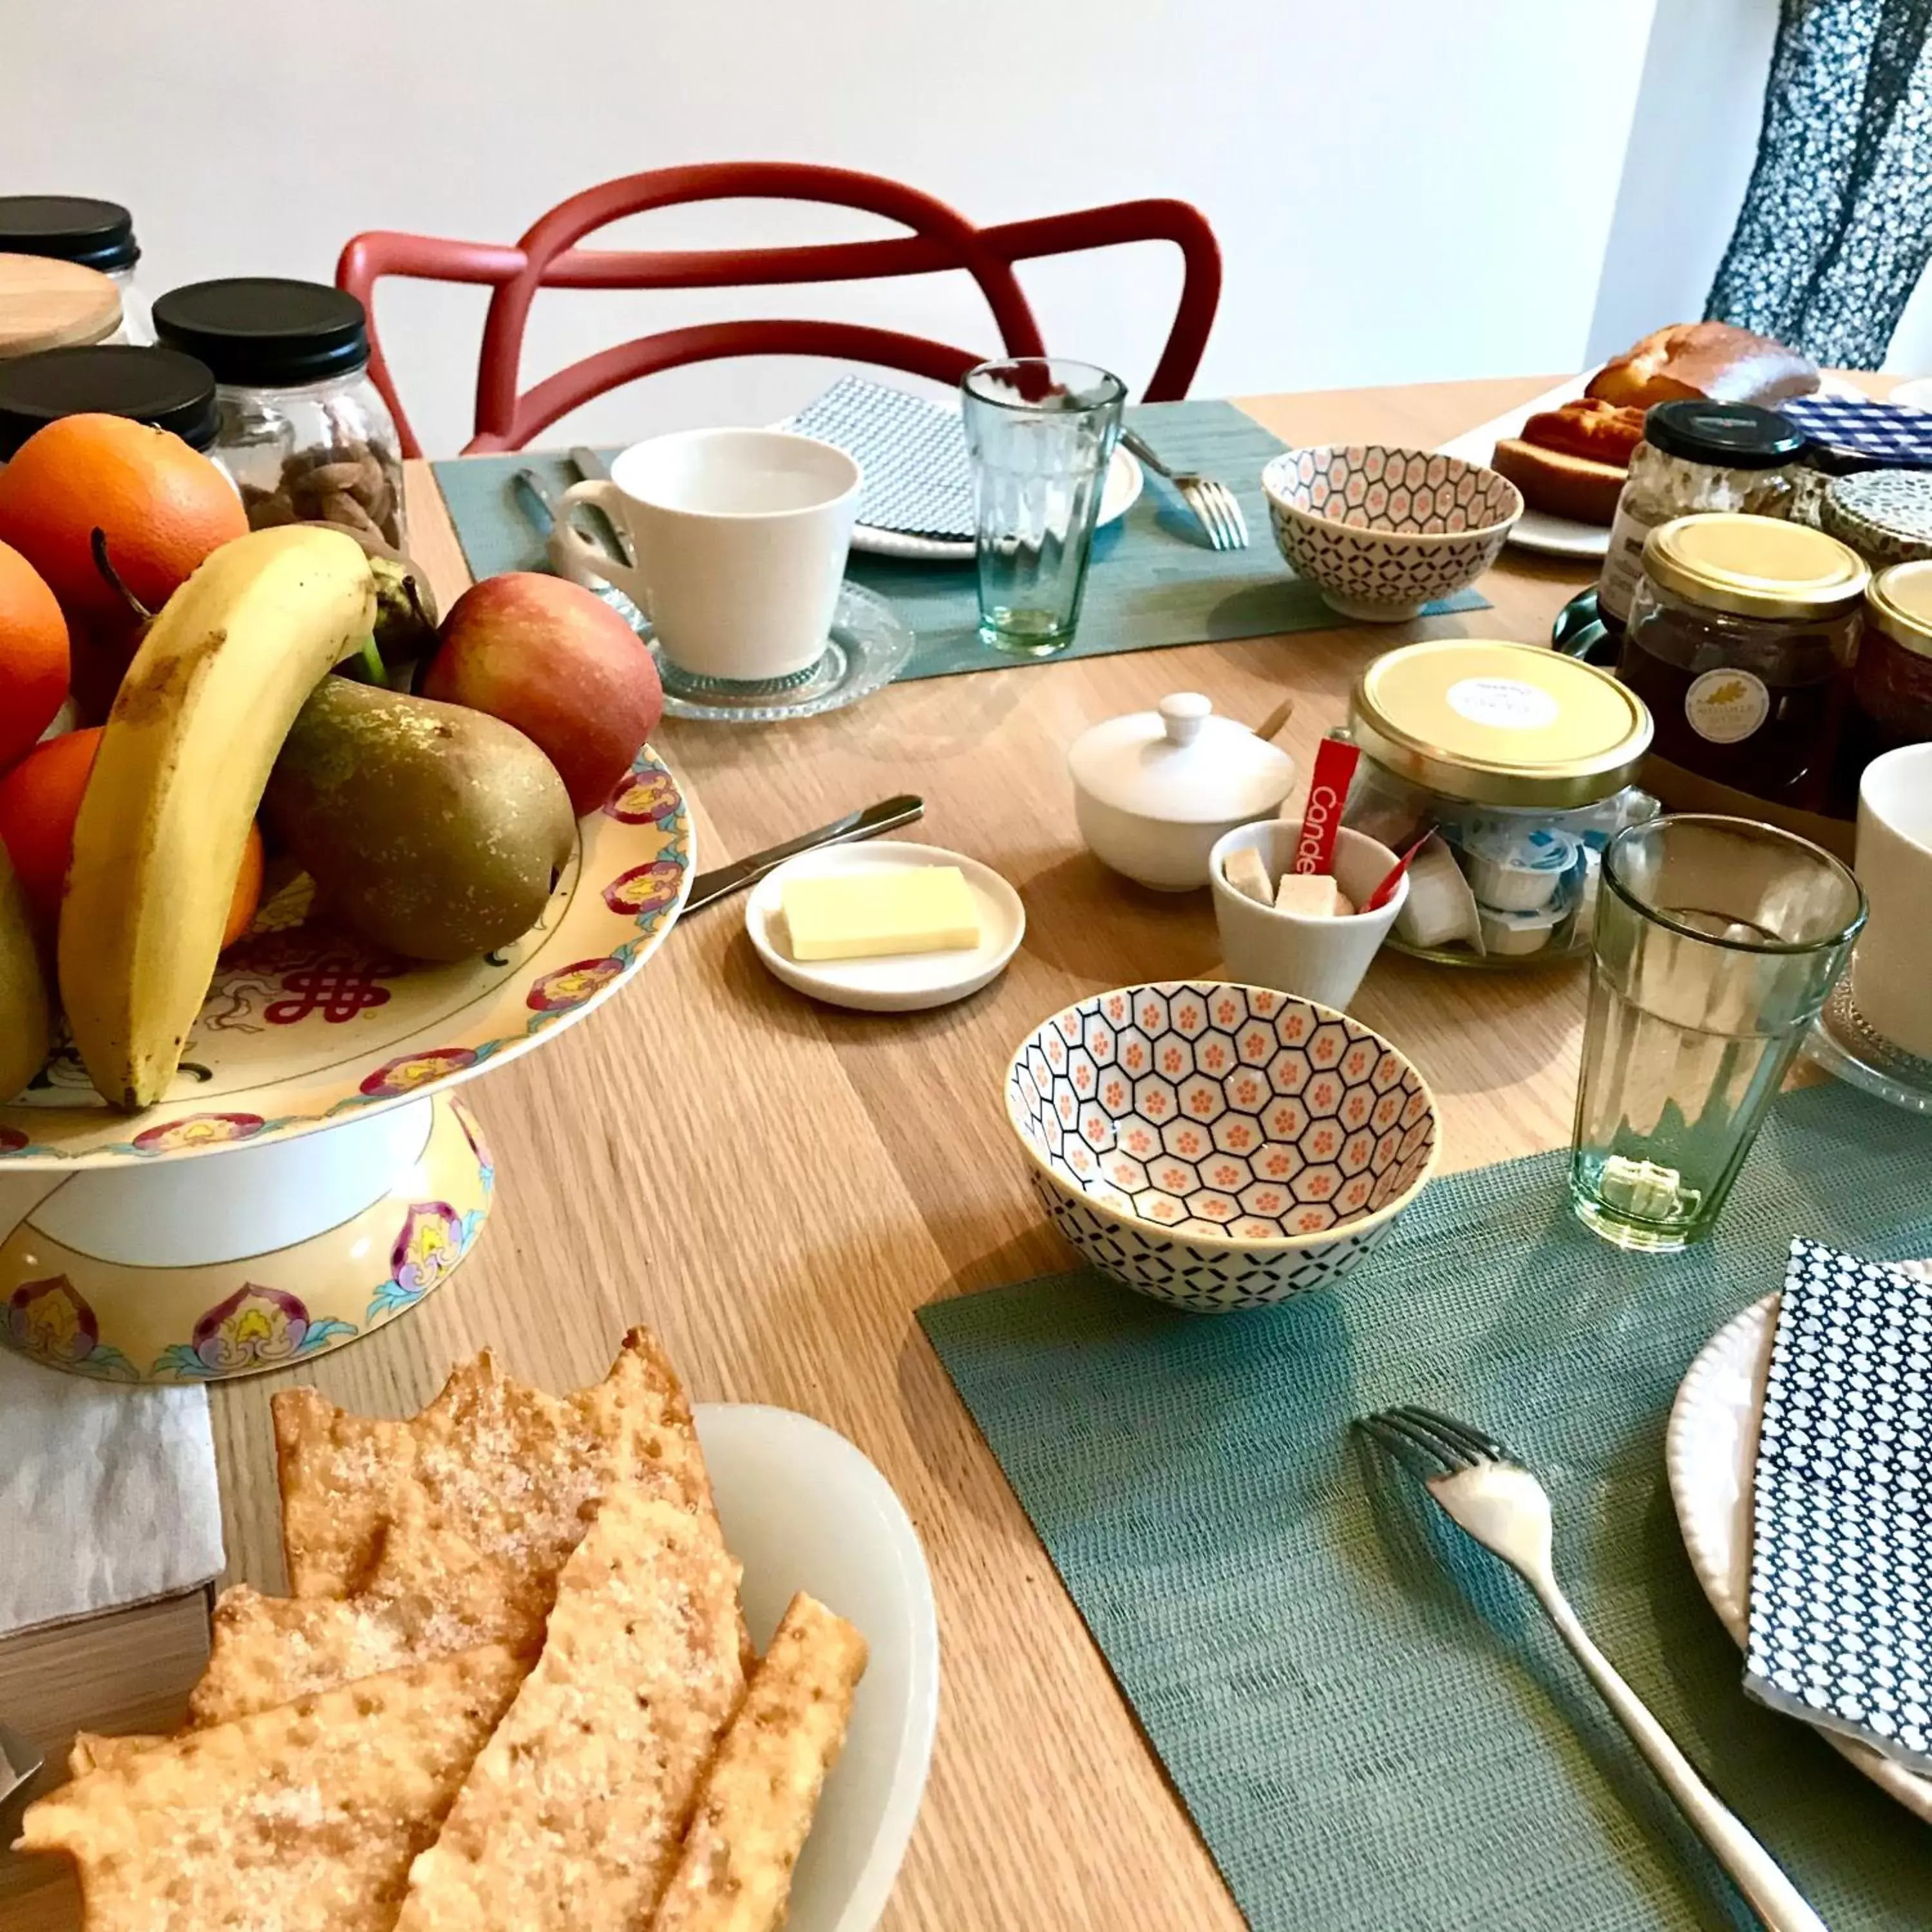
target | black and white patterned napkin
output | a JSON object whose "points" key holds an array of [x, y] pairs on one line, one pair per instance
{"points": [[1840, 1599], [918, 478]]}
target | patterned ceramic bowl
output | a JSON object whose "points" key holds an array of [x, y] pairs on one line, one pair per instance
{"points": [[1220, 1146], [1381, 532]]}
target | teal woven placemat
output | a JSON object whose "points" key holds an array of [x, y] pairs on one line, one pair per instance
{"points": [[1151, 583], [1369, 1720]]}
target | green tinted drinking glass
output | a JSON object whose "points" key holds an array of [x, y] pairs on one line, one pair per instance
{"points": [[1716, 941], [1041, 432]]}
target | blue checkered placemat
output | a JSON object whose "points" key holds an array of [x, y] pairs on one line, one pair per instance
{"points": [[1856, 423], [1153, 581], [1374, 1727]]}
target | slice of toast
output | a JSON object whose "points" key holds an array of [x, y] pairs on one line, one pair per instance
{"points": [[570, 1818], [304, 1818], [734, 1874]]}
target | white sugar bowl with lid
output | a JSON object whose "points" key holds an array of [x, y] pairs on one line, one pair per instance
{"points": [[1154, 791]]}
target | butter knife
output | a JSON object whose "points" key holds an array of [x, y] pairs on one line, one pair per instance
{"points": [[723, 881], [588, 464], [19, 1761]]}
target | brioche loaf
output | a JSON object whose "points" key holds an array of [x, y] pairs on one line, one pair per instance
{"points": [[1708, 360]]}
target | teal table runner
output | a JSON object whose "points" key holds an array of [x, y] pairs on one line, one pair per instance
{"points": [[1153, 581], [1370, 1721]]}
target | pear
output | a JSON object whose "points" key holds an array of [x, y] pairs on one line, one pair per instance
{"points": [[431, 831]]}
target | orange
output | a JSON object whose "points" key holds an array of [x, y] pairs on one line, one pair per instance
{"points": [[162, 506], [33, 656], [248, 890], [39, 800]]}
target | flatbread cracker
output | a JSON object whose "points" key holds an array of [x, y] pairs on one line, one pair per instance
{"points": [[734, 1874], [571, 1817], [93, 1750], [504, 1468], [268, 1651], [304, 1818]]}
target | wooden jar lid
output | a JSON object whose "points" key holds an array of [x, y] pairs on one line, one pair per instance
{"points": [[45, 304]]}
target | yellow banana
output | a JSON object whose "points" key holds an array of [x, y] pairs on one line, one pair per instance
{"points": [[23, 990], [189, 745]]}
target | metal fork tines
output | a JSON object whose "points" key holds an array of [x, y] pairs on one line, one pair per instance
{"points": [[1491, 1497], [1216, 508]]}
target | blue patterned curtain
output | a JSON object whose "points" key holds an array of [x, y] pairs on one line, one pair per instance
{"points": [[1837, 224]]}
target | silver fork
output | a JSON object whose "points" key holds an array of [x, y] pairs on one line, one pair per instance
{"points": [[1216, 508], [1488, 1494]]}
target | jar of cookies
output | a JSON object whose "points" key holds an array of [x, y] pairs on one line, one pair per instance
{"points": [[1694, 457], [303, 431]]}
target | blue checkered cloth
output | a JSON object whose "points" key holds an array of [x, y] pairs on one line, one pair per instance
{"points": [[1900, 438]]}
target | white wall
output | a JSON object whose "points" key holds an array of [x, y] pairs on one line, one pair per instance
{"points": [[1399, 187]]}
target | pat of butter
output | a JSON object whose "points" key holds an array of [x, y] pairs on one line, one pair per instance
{"points": [[1309, 896], [867, 915]]}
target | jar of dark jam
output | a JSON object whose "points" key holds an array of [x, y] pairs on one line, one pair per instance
{"points": [[1742, 637], [1892, 683]]}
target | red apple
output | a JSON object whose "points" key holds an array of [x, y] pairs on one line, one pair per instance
{"points": [[560, 665]]}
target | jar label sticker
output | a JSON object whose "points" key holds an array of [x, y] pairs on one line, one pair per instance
{"points": [[1727, 706], [1506, 704]]}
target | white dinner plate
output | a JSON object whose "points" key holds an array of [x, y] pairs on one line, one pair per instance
{"points": [[1537, 530], [1710, 1452], [803, 1510], [903, 982], [1118, 495]]}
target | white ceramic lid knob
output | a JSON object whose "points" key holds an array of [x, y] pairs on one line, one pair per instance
{"points": [[1182, 715]]}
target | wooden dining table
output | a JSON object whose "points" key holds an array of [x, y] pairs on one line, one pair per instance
{"points": [[774, 1187]]}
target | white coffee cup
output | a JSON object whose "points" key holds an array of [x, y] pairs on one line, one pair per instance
{"points": [[740, 537], [1317, 959], [1891, 970]]}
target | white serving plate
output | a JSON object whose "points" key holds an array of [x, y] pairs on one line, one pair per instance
{"points": [[1118, 494], [1710, 1452], [904, 983], [803, 1510], [1537, 530]]}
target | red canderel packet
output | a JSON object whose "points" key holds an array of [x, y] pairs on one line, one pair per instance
{"points": [[1335, 759]]}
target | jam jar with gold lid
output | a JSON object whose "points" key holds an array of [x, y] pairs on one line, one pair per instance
{"points": [[1891, 682], [1740, 641], [1521, 761]]}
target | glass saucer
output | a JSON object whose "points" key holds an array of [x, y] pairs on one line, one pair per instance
{"points": [[868, 647], [1844, 1043]]}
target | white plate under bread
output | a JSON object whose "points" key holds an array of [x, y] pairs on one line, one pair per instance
{"points": [[803, 1510]]}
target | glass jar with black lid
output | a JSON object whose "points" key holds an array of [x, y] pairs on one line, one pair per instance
{"points": [[1695, 456], [159, 386], [77, 228], [303, 431], [1740, 641]]}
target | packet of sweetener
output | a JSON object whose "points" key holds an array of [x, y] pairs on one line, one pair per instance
{"points": [[1335, 761]]}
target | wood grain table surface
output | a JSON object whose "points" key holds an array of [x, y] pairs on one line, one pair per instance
{"points": [[775, 1187]]}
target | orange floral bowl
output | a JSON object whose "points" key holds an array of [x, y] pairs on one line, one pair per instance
{"points": [[1220, 1146]]}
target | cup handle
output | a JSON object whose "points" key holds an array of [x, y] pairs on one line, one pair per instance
{"points": [[575, 556]]}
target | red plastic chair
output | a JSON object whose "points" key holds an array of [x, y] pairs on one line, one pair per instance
{"points": [[548, 257]]}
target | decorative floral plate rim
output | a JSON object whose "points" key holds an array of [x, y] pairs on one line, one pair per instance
{"points": [[637, 855], [1209, 1238]]}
